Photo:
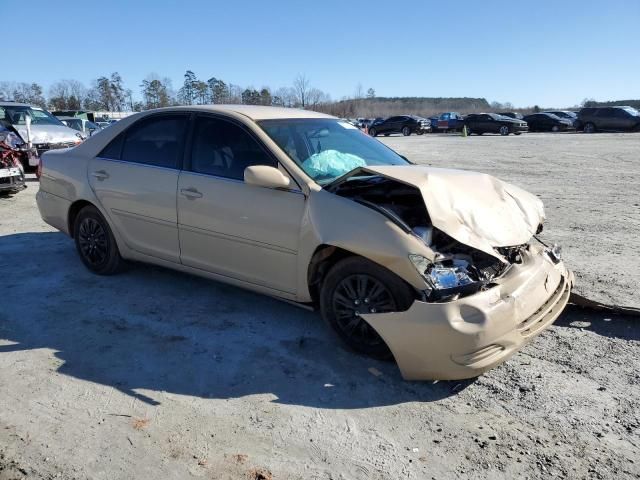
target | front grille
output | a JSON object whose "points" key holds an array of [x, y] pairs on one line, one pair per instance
{"points": [[538, 320], [43, 147]]}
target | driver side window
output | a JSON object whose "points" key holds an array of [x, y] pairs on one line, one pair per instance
{"points": [[224, 149]]}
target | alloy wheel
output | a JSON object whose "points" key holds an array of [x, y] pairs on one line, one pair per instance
{"points": [[356, 295], [93, 241]]}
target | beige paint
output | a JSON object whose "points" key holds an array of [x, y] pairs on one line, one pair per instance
{"points": [[474, 208], [262, 233], [465, 338]]}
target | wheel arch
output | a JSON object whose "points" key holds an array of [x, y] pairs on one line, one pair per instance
{"points": [[74, 210], [324, 258]]}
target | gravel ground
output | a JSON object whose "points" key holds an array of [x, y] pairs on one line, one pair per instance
{"points": [[156, 374]]}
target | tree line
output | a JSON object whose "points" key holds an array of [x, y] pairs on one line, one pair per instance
{"points": [[108, 93]]}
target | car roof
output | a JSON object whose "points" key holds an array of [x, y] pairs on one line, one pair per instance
{"points": [[254, 112], [14, 104]]}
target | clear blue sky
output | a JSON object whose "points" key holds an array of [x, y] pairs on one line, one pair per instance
{"points": [[551, 53]]}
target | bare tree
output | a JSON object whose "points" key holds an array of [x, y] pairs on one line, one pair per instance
{"points": [[284, 97], [316, 98], [301, 87], [358, 94]]}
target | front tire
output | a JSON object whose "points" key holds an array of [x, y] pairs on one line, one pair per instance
{"points": [[355, 286], [589, 128], [406, 131], [373, 132], [504, 130], [95, 242]]}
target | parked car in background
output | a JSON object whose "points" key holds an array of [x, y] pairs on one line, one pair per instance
{"points": [[480, 123], [436, 268], [75, 114], [448, 121], [44, 131], [11, 170], [608, 119], [366, 122], [566, 114], [404, 124], [102, 124], [547, 122], [86, 127], [515, 115]]}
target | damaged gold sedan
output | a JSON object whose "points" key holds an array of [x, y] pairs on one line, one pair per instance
{"points": [[441, 269]]}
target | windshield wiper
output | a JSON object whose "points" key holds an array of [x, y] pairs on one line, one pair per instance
{"points": [[333, 184]]}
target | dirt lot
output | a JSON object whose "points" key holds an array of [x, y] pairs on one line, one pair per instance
{"points": [[155, 374]]}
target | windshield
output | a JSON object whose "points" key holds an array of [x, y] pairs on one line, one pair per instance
{"points": [[327, 149], [74, 123], [16, 115], [632, 111]]}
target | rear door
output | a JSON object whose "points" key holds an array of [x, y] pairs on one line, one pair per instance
{"points": [[231, 228], [135, 179], [605, 119]]}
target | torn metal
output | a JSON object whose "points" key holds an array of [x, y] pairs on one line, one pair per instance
{"points": [[11, 170]]}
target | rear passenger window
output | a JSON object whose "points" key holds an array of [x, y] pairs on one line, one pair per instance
{"points": [[114, 149], [224, 149], [155, 141]]}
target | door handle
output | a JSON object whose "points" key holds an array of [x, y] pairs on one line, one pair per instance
{"points": [[190, 193], [100, 175]]}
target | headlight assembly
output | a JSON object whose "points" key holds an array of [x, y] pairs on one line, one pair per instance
{"points": [[447, 278]]}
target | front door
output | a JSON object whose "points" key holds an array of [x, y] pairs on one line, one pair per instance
{"points": [[231, 228], [135, 179]]}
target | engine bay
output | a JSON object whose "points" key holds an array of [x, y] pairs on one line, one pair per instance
{"points": [[457, 269]]}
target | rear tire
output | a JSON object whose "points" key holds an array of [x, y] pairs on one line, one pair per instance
{"points": [[406, 131], [95, 242], [555, 128], [504, 130], [589, 128], [356, 285]]}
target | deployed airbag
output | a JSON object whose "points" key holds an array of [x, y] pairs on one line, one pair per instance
{"points": [[331, 163]]}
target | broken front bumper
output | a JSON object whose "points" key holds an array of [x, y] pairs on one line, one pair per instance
{"points": [[466, 337]]}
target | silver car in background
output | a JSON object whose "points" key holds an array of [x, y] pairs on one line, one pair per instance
{"points": [[43, 131]]}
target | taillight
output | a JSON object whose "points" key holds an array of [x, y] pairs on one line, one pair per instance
{"points": [[39, 167]]}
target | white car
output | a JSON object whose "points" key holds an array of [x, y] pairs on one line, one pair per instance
{"points": [[45, 131]]}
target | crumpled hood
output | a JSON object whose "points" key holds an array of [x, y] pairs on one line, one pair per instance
{"points": [[48, 133], [476, 209]]}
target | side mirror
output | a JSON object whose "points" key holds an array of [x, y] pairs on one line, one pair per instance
{"points": [[91, 131], [265, 176]]}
